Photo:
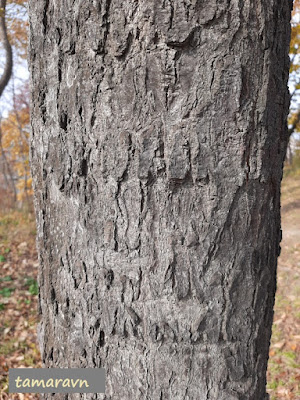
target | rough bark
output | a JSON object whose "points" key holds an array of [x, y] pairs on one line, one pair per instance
{"points": [[158, 139]]}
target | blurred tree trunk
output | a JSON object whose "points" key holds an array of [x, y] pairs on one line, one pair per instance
{"points": [[6, 170], [289, 153], [7, 70], [159, 134]]}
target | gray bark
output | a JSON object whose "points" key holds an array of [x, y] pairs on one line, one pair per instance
{"points": [[158, 139]]}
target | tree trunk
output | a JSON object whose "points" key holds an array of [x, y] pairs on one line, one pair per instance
{"points": [[158, 139], [7, 172], [7, 70]]}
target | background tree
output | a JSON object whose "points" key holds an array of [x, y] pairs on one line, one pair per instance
{"points": [[5, 77], [159, 134], [14, 24], [17, 27], [13, 34], [15, 130], [6, 169], [294, 115]]}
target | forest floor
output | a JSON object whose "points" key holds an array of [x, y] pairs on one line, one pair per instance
{"points": [[284, 361], [18, 300]]}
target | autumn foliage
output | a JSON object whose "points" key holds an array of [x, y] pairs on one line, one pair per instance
{"points": [[294, 117], [15, 180], [15, 130], [17, 26]]}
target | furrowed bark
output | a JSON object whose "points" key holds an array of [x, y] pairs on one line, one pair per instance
{"points": [[158, 139]]}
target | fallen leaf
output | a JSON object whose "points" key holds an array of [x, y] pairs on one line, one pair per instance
{"points": [[293, 346], [280, 320], [22, 245], [6, 330], [282, 391], [279, 345]]}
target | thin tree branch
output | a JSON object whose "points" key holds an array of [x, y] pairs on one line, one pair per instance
{"points": [[7, 47]]}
